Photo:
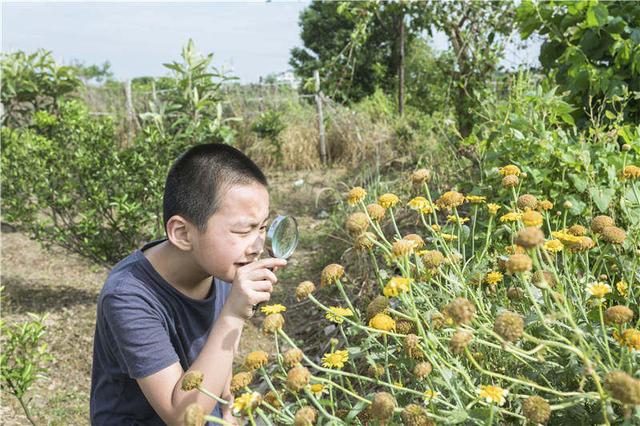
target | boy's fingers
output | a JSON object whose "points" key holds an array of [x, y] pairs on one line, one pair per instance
{"points": [[269, 263]]}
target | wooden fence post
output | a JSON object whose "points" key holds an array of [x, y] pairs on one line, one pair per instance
{"points": [[129, 109], [318, 96]]}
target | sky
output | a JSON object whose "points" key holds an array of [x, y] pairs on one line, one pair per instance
{"points": [[249, 39]]}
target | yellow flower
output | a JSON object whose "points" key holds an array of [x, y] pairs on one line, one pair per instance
{"points": [[335, 359], [336, 313], [429, 395], [622, 287], [545, 205], [598, 289], [450, 200], [567, 238], [493, 394], [246, 402], [553, 246], [382, 322], [421, 205], [532, 218], [355, 195], [493, 278], [476, 199], [449, 237], [510, 217], [388, 200], [318, 389], [256, 359], [436, 227], [493, 208], [629, 338], [273, 309], [454, 219], [510, 170], [395, 286]]}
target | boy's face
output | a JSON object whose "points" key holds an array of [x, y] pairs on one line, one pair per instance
{"points": [[235, 233]]}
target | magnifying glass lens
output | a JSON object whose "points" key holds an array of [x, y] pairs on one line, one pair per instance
{"points": [[284, 238]]}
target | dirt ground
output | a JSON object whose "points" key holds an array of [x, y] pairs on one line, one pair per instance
{"points": [[65, 286]]}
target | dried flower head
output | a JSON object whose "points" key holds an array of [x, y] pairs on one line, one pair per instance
{"points": [[304, 289], [450, 199], [422, 369], [420, 176], [460, 310], [375, 370], [515, 294], [415, 415], [382, 406], [241, 380], [412, 347], [382, 322], [297, 378], [335, 359], [365, 241], [402, 248], [618, 315], [631, 172], [623, 387], [256, 359], [194, 415], [404, 326], [292, 357], [272, 398], [330, 274], [578, 230], [598, 223], [376, 212], [192, 380], [459, 341], [378, 305], [417, 240], [510, 181], [536, 409], [519, 263], [613, 235], [543, 279], [531, 218], [272, 323], [357, 223], [356, 195], [395, 286], [510, 170], [527, 201], [432, 259], [509, 326], [544, 205], [530, 237], [388, 200], [305, 416]]}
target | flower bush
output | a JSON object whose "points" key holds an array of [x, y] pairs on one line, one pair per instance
{"points": [[525, 319]]}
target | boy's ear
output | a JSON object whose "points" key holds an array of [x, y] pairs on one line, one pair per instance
{"points": [[178, 230]]}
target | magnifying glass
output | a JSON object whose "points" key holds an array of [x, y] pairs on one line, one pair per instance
{"points": [[281, 240]]}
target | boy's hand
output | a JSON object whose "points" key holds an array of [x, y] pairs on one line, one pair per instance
{"points": [[252, 284]]}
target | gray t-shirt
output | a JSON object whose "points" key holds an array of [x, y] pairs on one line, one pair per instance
{"points": [[143, 326]]}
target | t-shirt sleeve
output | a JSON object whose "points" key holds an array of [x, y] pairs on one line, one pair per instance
{"points": [[142, 343]]}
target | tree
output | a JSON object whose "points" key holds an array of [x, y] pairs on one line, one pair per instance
{"points": [[591, 48]]}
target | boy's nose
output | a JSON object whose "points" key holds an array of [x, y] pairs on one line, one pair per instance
{"points": [[255, 249]]}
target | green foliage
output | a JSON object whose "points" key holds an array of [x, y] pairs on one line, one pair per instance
{"points": [[528, 129], [24, 357], [32, 83], [593, 49], [76, 186], [98, 73], [268, 126]]}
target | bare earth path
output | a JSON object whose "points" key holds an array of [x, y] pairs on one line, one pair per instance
{"points": [[65, 286]]}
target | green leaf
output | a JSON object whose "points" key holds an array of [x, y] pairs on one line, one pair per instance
{"points": [[578, 182], [601, 197]]}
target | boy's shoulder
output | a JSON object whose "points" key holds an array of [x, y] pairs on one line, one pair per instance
{"points": [[128, 277]]}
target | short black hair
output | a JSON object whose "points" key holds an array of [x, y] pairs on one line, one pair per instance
{"points": [[199, 177]]}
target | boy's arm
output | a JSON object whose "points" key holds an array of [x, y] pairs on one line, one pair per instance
{"points": [[253, 284]]}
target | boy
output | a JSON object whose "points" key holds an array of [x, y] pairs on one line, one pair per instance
{"points": [[179, 304]]}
